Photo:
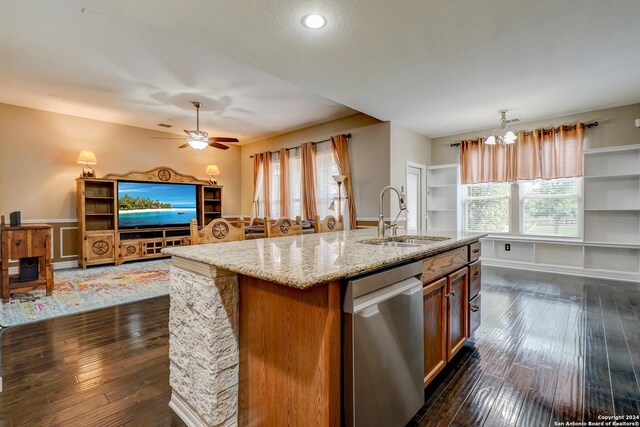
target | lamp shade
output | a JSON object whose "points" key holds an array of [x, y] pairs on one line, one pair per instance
{"points": [[212, 170], [491, 140], [339, 178], [87, 158]]}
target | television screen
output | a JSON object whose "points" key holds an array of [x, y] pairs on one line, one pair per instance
{"points": [[152, 204]]}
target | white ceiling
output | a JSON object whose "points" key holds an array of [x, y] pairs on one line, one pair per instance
{"points": [[435, 66], [114, 68]]}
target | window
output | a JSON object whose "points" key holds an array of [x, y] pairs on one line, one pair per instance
{"points": [[326, 187], [550, 207], [295, 183], [487, 207], [275, 185], [546, 207]]}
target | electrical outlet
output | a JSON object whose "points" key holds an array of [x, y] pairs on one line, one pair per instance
{"points": [[507, 247]]}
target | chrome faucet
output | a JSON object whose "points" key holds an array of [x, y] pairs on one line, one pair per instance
{"points": [[401, 203]]}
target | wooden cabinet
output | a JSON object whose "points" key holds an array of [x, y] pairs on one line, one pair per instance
{"points": [[457, 311], [435, 324], [101, 241], [31, 242], [450, 284], [99, 248]]}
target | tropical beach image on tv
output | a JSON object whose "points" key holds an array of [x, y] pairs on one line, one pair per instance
{"points": [[146, 205]]}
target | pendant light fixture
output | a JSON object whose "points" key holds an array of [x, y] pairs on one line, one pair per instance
{"points": [[502, 135]]}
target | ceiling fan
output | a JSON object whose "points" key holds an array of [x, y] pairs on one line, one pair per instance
{"points": [[199, 139]]}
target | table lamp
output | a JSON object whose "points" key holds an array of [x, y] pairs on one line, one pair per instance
{"points": [[87, 159], [212, 171]]}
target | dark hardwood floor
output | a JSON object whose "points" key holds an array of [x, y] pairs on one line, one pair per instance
{"points": [[104, 368], [551, 348]]}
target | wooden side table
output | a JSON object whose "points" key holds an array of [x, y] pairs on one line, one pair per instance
{"points": [[26, 241]]}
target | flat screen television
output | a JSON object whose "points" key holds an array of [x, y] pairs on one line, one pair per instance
{"points": [[155, 204]]}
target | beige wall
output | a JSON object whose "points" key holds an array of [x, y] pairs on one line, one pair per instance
{"points": [[38, 153], [616, 127], [406, 146], [369, 146]]}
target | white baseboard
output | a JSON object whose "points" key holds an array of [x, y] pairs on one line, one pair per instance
{"points": [[56, 266], [567, 270], [190, 418]]}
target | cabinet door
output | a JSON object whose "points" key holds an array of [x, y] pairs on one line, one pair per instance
{"points": [[457, 310], [435, 328], [99, 247]]}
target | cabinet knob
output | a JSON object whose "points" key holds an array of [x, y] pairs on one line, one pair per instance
{"points": [[474, 308], [475, 273], [475, 251], [450, 294]]}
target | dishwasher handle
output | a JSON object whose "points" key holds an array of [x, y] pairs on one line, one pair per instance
{"points": [[381, 295]]}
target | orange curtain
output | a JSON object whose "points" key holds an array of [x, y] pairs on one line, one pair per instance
{"points": [[308, 171], [569, 149], [540, 154], [340, 148], [284, 183], [480, 162], [266, 186]]}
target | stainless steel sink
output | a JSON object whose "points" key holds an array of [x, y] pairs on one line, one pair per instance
{"points": [[405, 241], [395, 244]]}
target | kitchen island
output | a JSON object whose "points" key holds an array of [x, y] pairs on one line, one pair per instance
{"points": [[256, 326]]}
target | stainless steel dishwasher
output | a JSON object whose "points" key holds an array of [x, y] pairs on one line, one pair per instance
{"points": [[384, 347]]}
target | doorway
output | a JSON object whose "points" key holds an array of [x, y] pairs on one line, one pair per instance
{"points": [[415, 184]]}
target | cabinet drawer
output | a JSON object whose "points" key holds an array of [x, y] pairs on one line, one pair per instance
{"points": [[475, 279], [18, 244], [474, 251], [130, 249], [444, 263], [474, 314]]}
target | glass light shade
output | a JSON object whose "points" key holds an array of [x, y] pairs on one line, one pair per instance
{"points": [[212, 170], [510, 137], [339, 178], [198, 144], [87, 158], [491, 140]]}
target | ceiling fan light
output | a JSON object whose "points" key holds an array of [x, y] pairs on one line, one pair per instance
{"points": [[491, 140], [197, 144]]}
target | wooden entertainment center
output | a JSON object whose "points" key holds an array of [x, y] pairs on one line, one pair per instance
{"points": [[100, 239]]}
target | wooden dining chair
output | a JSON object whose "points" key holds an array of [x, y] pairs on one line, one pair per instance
{"points": [[283, 227], [329, 223], [217, 231]]}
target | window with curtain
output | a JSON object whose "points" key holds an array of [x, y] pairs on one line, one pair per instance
{"points": [[487, 207], [295, 183], [550, 207], [326, 187], [275, 185]]}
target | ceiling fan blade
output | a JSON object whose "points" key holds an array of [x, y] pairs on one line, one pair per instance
{"points": [[187, 132], [220, 146], [222, 139], [184, 145], [165, 137]]}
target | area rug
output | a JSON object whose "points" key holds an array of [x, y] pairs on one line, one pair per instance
{"points": [[78, 290]]}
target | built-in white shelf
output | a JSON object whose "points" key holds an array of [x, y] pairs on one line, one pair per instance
{"points": [[610, 247], [443, 198]]}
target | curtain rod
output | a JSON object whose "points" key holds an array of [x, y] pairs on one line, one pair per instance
{"points": [[346, 135], [586, 125]]}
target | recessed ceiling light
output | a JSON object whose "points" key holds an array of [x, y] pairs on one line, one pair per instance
{"points": [[314, 21]]}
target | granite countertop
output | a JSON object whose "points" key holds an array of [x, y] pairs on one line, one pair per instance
{"points": [[311, 259]]}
